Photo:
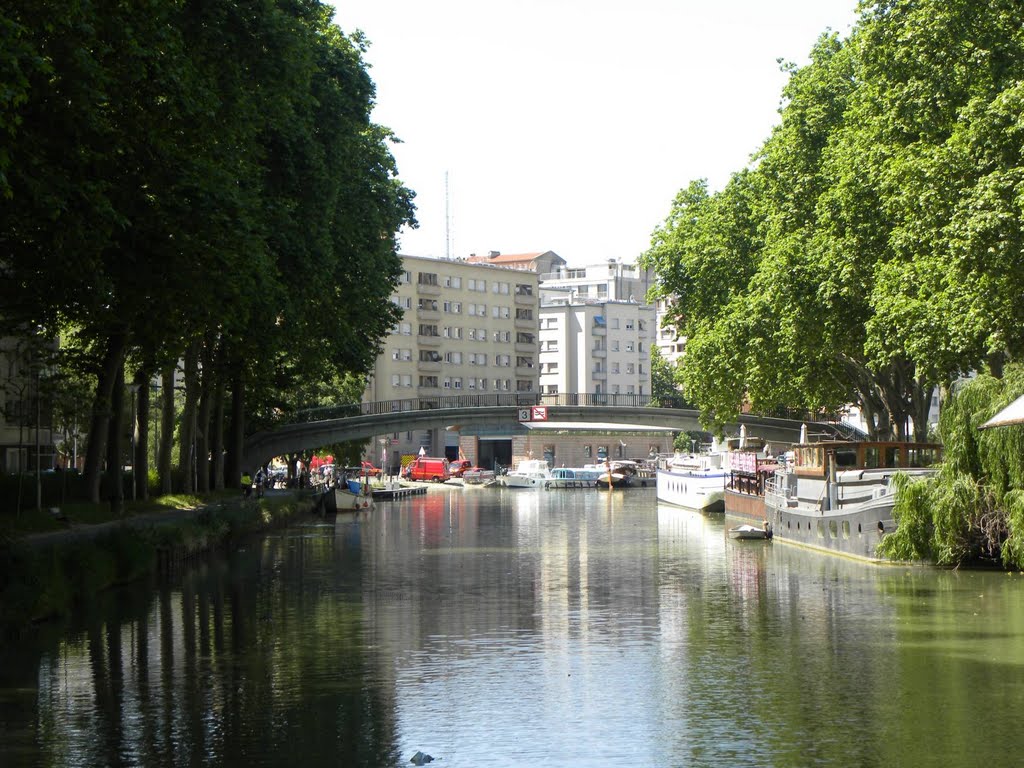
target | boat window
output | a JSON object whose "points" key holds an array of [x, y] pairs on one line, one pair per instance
{"points": [[846, 457], [602, 452], [872, 457], [833, 530], [846, 529], [809, 457], [892, 456], [921, 457]]}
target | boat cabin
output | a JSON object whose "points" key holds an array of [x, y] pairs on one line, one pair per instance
{"points": [[812, 459]]}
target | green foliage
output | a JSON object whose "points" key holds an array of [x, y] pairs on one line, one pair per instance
{"points": [[872, 251], [663, 383], [183, 174], [973, 509]]}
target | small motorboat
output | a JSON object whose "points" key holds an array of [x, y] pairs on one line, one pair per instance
{"points": [[752, 532]]}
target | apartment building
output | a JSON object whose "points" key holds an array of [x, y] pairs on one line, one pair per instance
{"points": [[468, 328], [669, 342], [596, 329], [26, 431], [605, 281], [594, 347], [540, 262]]}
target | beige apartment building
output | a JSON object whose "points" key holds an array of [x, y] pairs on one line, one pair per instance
{"points": [[468, 329]]}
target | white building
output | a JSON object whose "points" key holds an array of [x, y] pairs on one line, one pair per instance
{"points": [[468, 328], [596, 347], [605, 281], [596, 329], [669, 342]]}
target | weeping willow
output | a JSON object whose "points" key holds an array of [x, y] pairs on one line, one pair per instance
{"points": [[972, 510]]}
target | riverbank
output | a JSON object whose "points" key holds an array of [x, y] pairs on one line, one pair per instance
{"points": [[46, 575]]}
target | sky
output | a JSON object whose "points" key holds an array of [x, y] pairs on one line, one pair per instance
{"points": [[570, 125]]}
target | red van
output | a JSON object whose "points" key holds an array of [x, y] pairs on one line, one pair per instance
{"points": [[427, 468]]}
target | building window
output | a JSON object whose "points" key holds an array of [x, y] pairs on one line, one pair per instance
{"points": [[427, 330], [429, 356], [588, 451], [453, 282], [455, 358], [426, 278], [406, 277], [524, 290]]}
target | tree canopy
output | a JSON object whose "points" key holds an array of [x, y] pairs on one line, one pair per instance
{"points": [[872, 250], [198, 176]]}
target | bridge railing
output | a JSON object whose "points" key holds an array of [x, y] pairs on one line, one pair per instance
{"points": [[495, 400], [522, 400]]}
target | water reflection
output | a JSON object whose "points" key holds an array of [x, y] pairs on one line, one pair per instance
{"points": [[548, 628]]}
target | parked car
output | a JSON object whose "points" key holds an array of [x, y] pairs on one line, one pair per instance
{"points": [[367, 468], [428, 468], [459, 467]]}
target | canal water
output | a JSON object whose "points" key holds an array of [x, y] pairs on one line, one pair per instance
{"points": [[491, 627]]}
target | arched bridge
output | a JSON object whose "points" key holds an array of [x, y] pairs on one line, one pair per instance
{"points": [[317, 427]]}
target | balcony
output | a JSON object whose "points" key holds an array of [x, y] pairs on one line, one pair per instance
{"points": [[522, 346], [598, 330], [599, 375], [526, 371], [526, 298], [599, 352], [429, 366], [526, 324], [429, 341], [428, 289]]}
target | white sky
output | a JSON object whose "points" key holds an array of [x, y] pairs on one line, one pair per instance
{"points": [[569, 125]]}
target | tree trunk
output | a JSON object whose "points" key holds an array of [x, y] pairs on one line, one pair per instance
{"points": [[203, 418], [217, 438], [115, 463], [113, 358], [187, 429], [140, 461], [166, 430], [236, 436]]}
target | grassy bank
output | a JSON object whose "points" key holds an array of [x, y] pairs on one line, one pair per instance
{"points": [[47, 575]]}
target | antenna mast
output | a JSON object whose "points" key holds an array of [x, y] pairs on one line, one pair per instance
{"points": [[447, 221]]}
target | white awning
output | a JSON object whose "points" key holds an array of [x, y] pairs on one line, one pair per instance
{"points": [[1011, 414]]}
